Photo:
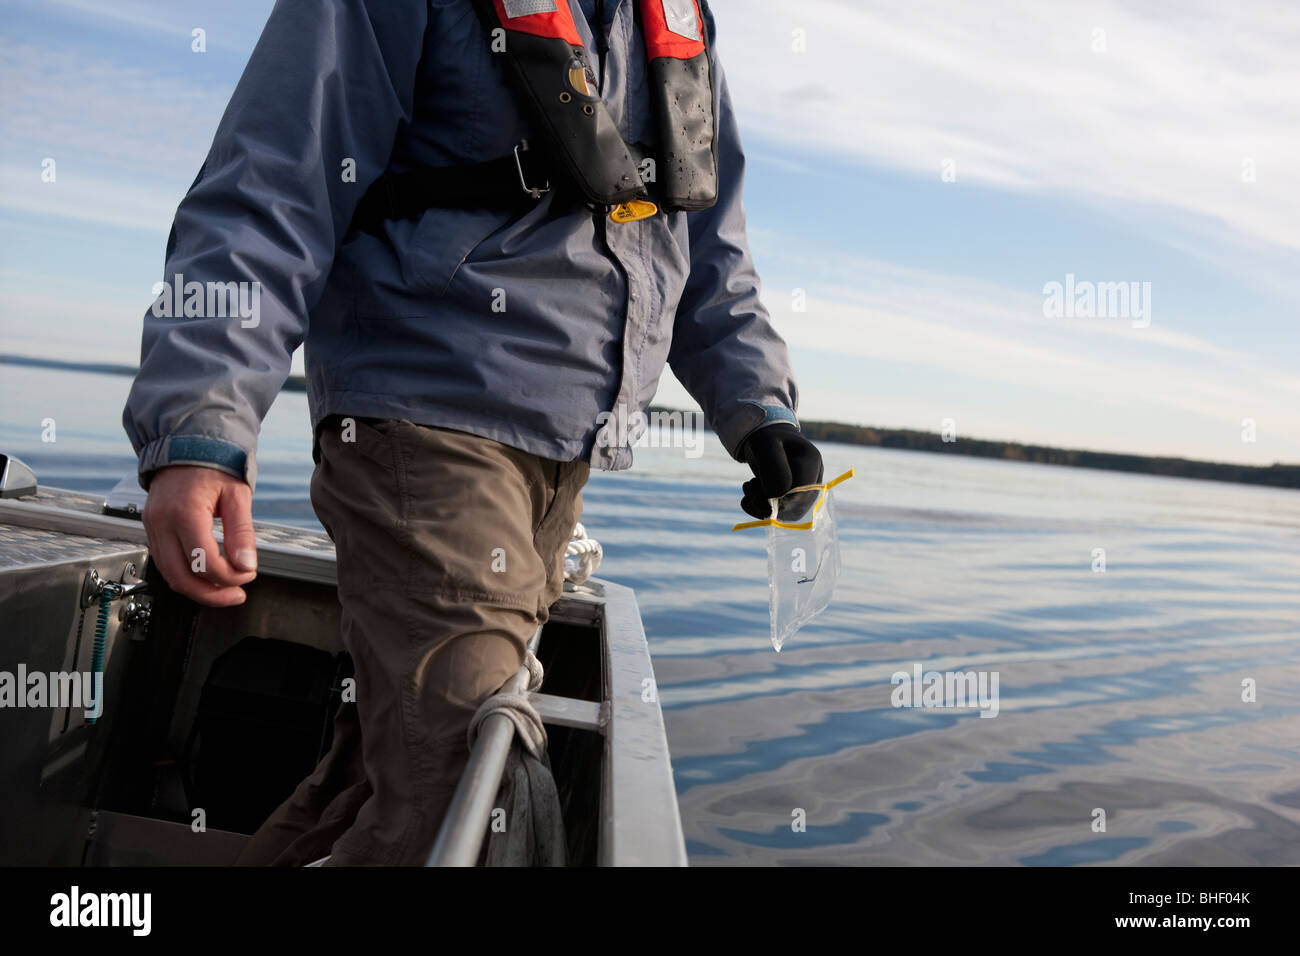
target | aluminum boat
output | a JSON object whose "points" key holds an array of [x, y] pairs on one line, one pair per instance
{"points": [[180, 736]]}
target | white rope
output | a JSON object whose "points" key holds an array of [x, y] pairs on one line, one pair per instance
{"points": [[520, 710], [587, 553]]}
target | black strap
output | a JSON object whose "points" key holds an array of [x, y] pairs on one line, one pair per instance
{"points": [[495, 184]]}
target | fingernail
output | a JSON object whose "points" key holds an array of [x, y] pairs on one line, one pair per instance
{"points": [[246, 558]]}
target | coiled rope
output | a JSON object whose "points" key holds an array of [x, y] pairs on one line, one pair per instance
{"points": [[586, 554]]}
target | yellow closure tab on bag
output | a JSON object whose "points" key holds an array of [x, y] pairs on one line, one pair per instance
{"points": [[633, 210], [805, 525]]}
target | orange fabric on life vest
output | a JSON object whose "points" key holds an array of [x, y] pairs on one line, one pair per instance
{"points": [[661, 41], [557, 24]]}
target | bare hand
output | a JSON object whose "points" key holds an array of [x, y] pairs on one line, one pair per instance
{"points": [[183, 500]]}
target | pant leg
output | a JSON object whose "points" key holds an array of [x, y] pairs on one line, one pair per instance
{"points": [[556, 529], [321, 808], [450, 552], [327, 804]]}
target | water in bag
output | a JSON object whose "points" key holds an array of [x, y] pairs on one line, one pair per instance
{"points": [[803, 556]]}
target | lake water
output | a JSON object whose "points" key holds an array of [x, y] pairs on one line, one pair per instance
{"points": [[1120, 690]]}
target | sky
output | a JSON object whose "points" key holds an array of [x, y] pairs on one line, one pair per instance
{"points": [[918, 176]]}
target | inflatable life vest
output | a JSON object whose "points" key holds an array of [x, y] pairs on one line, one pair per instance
{"points": [[555, 90], [557, 93]]}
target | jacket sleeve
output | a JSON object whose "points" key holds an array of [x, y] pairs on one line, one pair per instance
{"points": [[328, 84], [724, 349]]}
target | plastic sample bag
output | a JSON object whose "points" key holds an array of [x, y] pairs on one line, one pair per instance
{"points": [[803, 556]]}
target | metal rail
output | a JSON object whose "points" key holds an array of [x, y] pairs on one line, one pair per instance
{"points": [[640, 821], [273, 559], [464, 827]]}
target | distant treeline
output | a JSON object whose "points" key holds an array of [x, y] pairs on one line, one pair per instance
{"points": [[1279, 475], [1276, 475]]}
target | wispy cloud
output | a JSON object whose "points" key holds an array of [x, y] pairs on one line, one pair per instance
{"points": [[1097, 381], [89, 198], [1168, 115], [130, 120], [231, 25], [926, 345]]}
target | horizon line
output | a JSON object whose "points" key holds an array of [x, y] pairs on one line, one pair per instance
{"points": [[298, 383]]}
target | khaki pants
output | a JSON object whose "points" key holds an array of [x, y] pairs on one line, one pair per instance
{"points": [[450, 553]]}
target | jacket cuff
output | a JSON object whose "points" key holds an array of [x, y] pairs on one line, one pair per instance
{"points": [[199, 450], [747, 418]]}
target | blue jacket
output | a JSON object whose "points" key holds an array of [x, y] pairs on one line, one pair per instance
{"points": [[520, 327]]}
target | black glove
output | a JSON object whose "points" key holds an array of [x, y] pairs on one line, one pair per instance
{"points": [[781, 459]]}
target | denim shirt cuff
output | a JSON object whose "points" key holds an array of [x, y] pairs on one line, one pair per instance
{"points": [[748, 418], [201, 450]]}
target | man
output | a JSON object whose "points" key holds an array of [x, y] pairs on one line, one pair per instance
{"points": [[467, 361]]}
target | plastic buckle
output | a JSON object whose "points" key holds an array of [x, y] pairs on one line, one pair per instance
{"points": [[535, 191]]}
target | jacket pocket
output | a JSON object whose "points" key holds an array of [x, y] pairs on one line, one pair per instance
{"points": [[445, 238]]}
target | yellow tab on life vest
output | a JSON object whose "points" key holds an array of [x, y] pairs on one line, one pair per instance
{"points": [[633, 210]]}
